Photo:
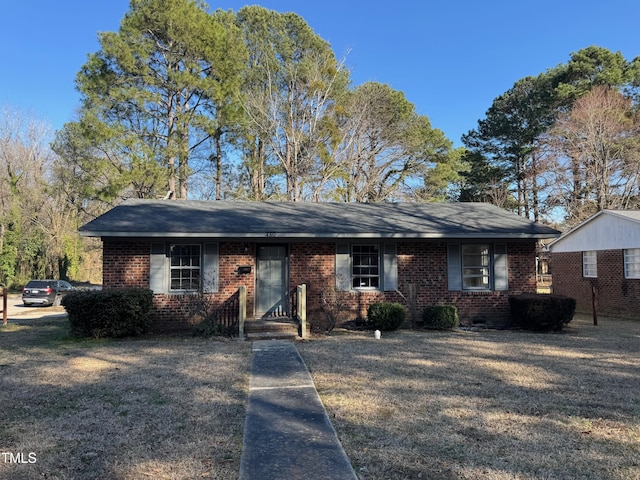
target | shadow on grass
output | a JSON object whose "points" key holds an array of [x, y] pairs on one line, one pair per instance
{"points": [[166, 407], [486, 404]]}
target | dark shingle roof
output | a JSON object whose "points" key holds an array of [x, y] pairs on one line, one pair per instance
{"points": [[221, 219]]}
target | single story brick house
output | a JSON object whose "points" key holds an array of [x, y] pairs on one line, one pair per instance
{"points": [[602, 252], [471, 255]]}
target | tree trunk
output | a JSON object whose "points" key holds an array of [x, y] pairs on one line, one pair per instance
{"points": [[534, 187], [218, 158], [171, 160], [183, 166], [257, 171]]}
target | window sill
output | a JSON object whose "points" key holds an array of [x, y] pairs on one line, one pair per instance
{"points": [[482, 292]]}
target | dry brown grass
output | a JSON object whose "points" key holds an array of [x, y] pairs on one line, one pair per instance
{"points": [[486, 404], [432, 405], [162, 408]]}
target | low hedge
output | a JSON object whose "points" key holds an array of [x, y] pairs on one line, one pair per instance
{"points": [[113, 313], [386, 315], [541, 311], [440, 317]]}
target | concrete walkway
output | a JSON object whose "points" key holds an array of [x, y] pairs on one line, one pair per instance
{"points": [[287, 434]]}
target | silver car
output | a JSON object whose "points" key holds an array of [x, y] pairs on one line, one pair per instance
{"points": [[45, 292]]}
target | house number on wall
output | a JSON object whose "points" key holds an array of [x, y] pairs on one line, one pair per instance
{"points": [[270, 234]]}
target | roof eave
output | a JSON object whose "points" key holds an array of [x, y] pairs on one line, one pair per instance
{"points": [[331, 235]]}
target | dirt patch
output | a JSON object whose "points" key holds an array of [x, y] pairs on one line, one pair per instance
{"points": [[485, 404]]}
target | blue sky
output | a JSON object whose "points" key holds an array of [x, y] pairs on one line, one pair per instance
{"points": [[450, 58]]}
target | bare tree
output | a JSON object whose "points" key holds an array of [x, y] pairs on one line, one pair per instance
{"points": [[24, 162], [288, 115], [597, 154], [383, 144], [39, 211]]}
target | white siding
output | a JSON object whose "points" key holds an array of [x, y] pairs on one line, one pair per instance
{"points": [[604, 231]]}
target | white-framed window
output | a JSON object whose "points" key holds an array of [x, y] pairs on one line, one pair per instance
{"points": [[476, 264], [184, 267], [590, 264], [365, 267], [632, 263]]}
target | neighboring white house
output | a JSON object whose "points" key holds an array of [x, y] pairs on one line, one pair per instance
{"points": [[602, 252]]}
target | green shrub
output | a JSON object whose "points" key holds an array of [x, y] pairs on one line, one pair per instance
{"points": [[440, 317], [541, 311], [113, 313], [386, 315]]}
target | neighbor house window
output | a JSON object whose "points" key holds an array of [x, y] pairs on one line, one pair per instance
{"points": [[184, 267], [475, 267], [366, 266], [632, 263], [590, 264]]}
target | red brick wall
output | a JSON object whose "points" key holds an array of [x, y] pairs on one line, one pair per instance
{"points": [[174, 311], [490, 307], [617, 296], [422, 264], [126, 264]]}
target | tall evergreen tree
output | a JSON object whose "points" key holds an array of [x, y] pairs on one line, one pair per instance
{"points": [[512, 135], [509, 136], [159, 89]]}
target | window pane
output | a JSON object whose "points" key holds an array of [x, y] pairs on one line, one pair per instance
{"points": [[185, 267], [474, 282], [475, 267], [632, 263], [590, 264], [365, 271]]}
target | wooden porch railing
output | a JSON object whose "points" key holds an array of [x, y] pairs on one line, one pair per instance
{"points": [[301, 309], [298, 306], [242, 309], [293, 302], [229, 317], [5, 290]]}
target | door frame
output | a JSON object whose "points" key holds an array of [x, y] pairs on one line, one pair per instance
{"points": [[285, 310]]}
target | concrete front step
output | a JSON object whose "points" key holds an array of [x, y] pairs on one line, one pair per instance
{"points": [[271, 330], [270, 336]]}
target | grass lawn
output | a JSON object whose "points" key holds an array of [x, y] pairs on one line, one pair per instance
{"points": [[415, 404], [486, 404], [161, 408]]}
